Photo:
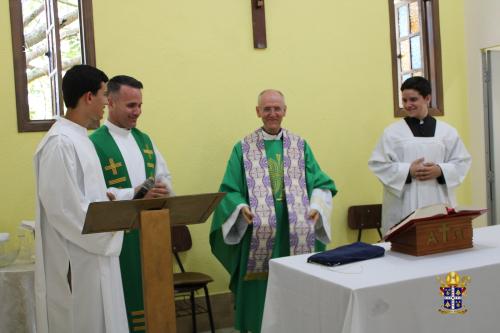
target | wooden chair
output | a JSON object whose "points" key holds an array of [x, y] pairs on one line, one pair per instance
{"points": [[365, 217], [189, 282]]}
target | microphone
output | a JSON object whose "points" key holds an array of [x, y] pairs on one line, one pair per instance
{"points": [[145, 187]]}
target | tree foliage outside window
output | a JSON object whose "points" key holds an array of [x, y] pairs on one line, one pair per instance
{"points": [[416, 50], [48, 37]]}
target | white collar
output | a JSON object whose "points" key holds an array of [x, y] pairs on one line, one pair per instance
{"points": [[268, 136], [79, 129], [116, 130]]}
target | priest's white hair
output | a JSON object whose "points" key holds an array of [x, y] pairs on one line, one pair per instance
{"points": [[269, 90]]}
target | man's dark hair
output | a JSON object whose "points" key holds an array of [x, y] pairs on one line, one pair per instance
{"points": [[418, 83], [79, 80], [116, 82]]}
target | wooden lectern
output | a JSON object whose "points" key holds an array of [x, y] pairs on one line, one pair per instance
{"points": [[435, 234], [153, 217]]}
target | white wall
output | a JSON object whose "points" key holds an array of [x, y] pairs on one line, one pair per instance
{"points": [[482, 30]]}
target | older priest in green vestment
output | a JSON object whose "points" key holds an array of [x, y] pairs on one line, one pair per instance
{"points": [[278, 203]]}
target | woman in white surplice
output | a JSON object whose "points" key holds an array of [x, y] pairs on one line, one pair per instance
{"points": [[419, 160], [77, 278]]}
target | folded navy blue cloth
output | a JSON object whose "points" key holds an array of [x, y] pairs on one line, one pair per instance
{"points": [[347, 253]]}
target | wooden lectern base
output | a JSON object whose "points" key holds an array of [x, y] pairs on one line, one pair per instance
{"points": [[158, 284], [154, 220], [435, 236]]}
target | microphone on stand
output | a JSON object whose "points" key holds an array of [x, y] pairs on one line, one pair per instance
{"points": [[145, 187]]}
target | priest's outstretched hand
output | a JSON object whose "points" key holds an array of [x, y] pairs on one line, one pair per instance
{"points": [[247, 214], [313, 215]]}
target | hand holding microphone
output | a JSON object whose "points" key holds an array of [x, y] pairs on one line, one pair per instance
{"points": [[150, 189], [144, 188]]}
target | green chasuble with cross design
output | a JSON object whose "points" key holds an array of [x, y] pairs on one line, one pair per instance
{"points": [[250, 294], [116, 175]]}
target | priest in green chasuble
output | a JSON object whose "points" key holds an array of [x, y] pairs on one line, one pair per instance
{"points": [[278, 203], [128, 157]]}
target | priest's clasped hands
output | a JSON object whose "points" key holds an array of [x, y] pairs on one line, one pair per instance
{"points": [[424, 171], [248, 215]]}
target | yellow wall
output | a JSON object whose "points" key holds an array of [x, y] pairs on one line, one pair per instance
{"points": [[202, 75]]}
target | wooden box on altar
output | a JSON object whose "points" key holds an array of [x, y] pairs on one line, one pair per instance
{"points": [[434, 236]]}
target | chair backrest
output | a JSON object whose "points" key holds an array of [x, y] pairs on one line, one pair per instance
{"points": [[181, 238], [364, 216], [181, 241]]}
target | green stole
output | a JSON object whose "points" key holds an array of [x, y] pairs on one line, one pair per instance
{"points": [[116, 175]]}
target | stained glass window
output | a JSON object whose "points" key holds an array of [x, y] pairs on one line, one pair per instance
{"points": [[408, 25], [416, 48]]}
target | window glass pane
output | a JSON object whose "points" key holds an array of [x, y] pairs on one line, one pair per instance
{"points": [[414, 18], [69, 33], [40, 98], [405, 77], [404, 48], [416, 53], [403, 20], [37, 61]]}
